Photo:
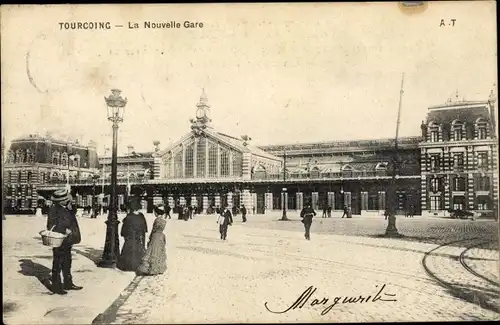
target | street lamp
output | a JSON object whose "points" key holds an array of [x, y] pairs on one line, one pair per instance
{"points": [[115, 105], [70, 158], [284, 217]]}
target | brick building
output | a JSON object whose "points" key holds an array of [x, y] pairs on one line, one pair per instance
{"points": [[35, 165], [459, 158]]}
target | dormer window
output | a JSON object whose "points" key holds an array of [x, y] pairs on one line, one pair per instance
{"points": [[457, 129], [481, 129], [433, 132]]}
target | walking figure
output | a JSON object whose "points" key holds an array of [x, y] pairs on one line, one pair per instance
{"points": [[307, 215], [329, 211], [244, 213], [324, 212], [167, 211], [224, 219], [346, 212]]}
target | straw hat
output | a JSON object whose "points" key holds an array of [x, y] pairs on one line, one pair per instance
{"points": [[61, 196]]}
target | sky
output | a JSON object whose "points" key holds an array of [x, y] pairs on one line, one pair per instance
{"points": [[280, 73]]}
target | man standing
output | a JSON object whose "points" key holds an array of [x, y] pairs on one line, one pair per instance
{"points": [[61, 219], [167, 210], [224, 220], [244, 213], [307, 215]]}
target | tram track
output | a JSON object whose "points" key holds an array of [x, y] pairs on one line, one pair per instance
{"points": [[470, 269], [482, 297]]}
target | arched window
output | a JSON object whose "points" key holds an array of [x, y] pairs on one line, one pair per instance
{"points": [[224, 162], [347, 171], [11, 157], [435, 185], [315, 172], [481, 129], [457, 130], [20, 156], [433, 132], [30, 156], [459, 184], [189, 166], [30, 176], [458, 162], [19, 176], [55, 158], [64, 159], [212, 159]]}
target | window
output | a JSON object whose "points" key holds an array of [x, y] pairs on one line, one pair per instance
{"points": [[483, 183], [458, 162], [20, 156], [482, 160], [30, 176], [459, 184], [347, 171], [434, 136], [212, 159], [10, 157], [435, 163], [30, 157], [200, 157], [224, 162], [483, 203], [481, 133], [459, 203], [42, 177], [189, 167], [76, 161], [19, 177], [64, 159], [237, 162], [435, 203], [178, 165], [435, 185], [55, 158]]}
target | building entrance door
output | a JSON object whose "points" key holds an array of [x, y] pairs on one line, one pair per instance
{"points": [[260, 203], [355, 203]]}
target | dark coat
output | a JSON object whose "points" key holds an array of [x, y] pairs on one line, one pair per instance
{"points": [[307, 214], [228, 218], [62, 219], [134, 231], [243, 210]]}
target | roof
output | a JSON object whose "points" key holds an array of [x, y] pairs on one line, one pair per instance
{"points": [[463, 114], [238, 143], [346, 145]]}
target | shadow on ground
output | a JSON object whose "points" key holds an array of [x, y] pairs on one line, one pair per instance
{"points": [[41, 272], [91, 253]]}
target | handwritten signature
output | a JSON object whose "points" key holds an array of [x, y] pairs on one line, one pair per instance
{"points": [[308, 293]]}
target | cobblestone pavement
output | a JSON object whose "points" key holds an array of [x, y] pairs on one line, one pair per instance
{"points": [[429, 230], [26, 269], [209, 280]]}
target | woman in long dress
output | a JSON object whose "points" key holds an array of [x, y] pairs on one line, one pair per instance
{"points": [[155, 260], [134, 229]]}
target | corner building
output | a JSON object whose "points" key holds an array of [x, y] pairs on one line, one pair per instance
{"points": [[459, 158]]}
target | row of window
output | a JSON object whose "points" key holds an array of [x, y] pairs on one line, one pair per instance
{"points": [[20, 156], [458, 184], [458, 131], [436, 163], [459, 203], [173, 166]]}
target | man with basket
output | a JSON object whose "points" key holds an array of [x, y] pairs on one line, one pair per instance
{"points": [[61, 219]]}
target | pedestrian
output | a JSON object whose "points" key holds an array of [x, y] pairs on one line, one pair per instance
{"points": [[167, 211], [134, 230], [324, 212], [386, 214], [185, 213], [244, 213], [349, 212], [346, 211], [224, 219], [307, 215], [329, 211], [253, 209], [61, 219], [181, 212], [154, 261], [412, 211]]}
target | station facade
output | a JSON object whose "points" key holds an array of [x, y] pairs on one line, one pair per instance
{"points": [[452, 164]]}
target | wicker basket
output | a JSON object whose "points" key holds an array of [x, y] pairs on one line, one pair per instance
{"points": [[52, 238]]}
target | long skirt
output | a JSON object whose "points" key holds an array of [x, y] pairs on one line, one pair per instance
{"points": [[132, 253]]}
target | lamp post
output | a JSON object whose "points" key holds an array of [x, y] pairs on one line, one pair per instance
{"points": [[103, 177], [115, 106], [70, 158], [284, 217], [391, 230]]}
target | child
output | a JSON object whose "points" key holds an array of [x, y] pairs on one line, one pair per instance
{"points": [[155, 259]]}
